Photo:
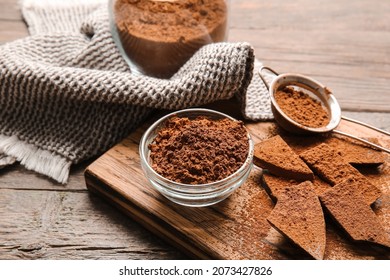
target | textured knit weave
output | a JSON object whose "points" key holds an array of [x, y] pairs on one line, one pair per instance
{"points": [[66, 94]]}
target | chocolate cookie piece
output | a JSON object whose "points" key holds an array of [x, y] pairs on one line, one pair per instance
{"points": [[332, 167], [298, 216], [355, 153], [274, 185], [369, 194], [279, 159], [349, 208]]}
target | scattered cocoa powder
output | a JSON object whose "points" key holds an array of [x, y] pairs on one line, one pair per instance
{"points": [[298, 215], [277, 157], [200, 150], [160, 36], [302, 108]]}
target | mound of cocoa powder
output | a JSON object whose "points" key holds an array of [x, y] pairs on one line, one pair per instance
{"points": [[302, 108], [200, 150], [160, 36]]}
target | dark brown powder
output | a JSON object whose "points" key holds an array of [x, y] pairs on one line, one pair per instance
{"points": [[302, 108], [356, 153], [160, 36], [353, 152], [200, 150]]}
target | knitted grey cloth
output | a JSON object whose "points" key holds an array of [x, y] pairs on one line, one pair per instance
{"points": [[66, 94]]}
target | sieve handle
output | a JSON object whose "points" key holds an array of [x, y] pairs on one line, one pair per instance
{"points": [[262, 77], [362, 140], [366, 125]]}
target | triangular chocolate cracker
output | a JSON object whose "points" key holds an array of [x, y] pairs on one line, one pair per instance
{"points": [[348, 207], [275, 184], [298, 216], [279, 159], [332, 167]]}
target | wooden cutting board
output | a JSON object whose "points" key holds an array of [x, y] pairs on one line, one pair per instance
{"points": [[235, 228]]}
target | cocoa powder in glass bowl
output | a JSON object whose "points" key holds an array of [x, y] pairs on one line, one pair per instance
{"points": [[196, 157], [200, 150], [158, 36]]}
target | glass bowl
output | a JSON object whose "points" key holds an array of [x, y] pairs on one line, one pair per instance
{"points": [[194, 195], [156, 37]]}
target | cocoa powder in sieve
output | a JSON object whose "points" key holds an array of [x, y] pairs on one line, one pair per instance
{"points": [[160, 36], [200, 150], [302, 108]]}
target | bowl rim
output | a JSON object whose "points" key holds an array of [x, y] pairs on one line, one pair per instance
{"points": [[246, 163]]}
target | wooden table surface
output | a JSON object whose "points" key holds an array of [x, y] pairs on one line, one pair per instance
{"points": [[344, 44]]}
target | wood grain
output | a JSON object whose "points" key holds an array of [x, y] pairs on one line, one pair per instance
{"points": [[10, 10], [344, 44], [71, 225]]}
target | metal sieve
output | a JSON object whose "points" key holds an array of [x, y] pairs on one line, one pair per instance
{"points": [[319, 91]]}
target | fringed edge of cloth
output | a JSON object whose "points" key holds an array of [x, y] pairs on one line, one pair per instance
{"points": [[6, 160], [36, 159]]}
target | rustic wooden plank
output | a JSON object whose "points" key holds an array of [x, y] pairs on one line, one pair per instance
{"points": [[306, 15], [10, 10], [355, 68], [72, 225], [343, 44], [379, 120], [12, 30], [17, 177]]}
